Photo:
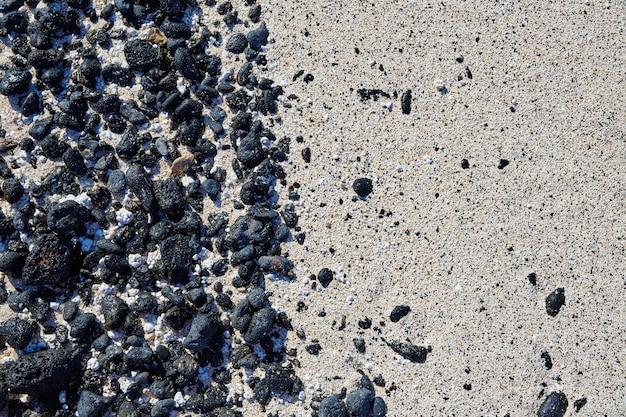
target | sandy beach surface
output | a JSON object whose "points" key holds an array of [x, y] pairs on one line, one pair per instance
{"points": [[511, 162]]}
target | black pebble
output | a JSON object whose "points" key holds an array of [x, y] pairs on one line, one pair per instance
{"points": [[555, 405], [163, 408], [380, 408], [241, 315], [464, 163], [409, 351], [237, 43], [260, 324], [332, 407], [405, 102], [75, 162], [313, 348], [85, 327], [138, 357], [359, 403], [257, 298], [503, 163], [325, 276], [15, 81], [359, 344], [115, 310], [117, 181], [92, 405], [203, 329], [547, 360], [555, 301], [362, 187], [580, 403], [49, 262], [398, 312], [17, 332], [257, 37], [66, 217], [306, 155], [47, 371], [142, 55], [31, 104], [12, 190]]}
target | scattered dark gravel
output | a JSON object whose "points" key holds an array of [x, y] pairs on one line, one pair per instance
{"points": [[102, 147]]}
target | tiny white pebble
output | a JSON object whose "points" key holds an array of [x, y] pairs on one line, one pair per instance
{"points": [[134, 260], [349, 299], [439, 85], [124, 217], [180, 400], [92, 363]]}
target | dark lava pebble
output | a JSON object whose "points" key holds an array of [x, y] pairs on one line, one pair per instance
{"points": [[325, 277], [398, 312], [15, 81], [66, 217], [405, 102], [47, 371], [203, 329], [261, 322], [409, 351], [547, 360], [92, 405], [555, 301], [580, 403], [379, 409], [359, 344], [503, 163], [360, 402], [12, 190], [362, 187], [257, 37], [332, 406], [237, 43], [49, 261], [555, 405], [17, 332], [142, 55]]}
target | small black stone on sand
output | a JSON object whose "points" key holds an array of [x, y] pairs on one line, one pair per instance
{"points": [[555, 301], [555, 405], [325, 277], [398, 312], [362, 187], [332, 406], [503, 163], [409, 351], [405, 102]]}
